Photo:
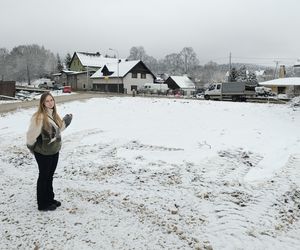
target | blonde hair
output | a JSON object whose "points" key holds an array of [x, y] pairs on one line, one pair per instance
{"points": [[42, 113]]}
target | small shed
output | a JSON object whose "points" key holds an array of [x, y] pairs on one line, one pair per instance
{"points": [[182, 83], [8, 88]]}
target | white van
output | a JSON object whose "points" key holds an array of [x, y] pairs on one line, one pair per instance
{"points": [[155, 88], [43, 83]]}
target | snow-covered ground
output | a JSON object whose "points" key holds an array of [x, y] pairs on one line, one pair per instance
{"points": [[8, 101], [142, 173], [28, 96]]}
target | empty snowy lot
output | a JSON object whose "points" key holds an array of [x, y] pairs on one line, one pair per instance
{"points": [[137, 173]]}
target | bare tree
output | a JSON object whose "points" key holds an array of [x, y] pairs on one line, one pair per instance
{"points": [[209, 71], [189, 58], [137, 53], [174, 64], [27, 62], [3, 62]]}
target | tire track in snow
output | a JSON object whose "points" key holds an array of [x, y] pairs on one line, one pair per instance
{"points": [[240, 210], [256, 218]]}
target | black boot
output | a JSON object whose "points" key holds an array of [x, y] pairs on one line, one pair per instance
{"points": [[56, 203], [48, 208]]}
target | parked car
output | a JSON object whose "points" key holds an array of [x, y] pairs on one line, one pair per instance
{"points": [[66, 89], [263, 91], [283, 96], [199, 95], [58, 86], [154, 88], [43, 85]]}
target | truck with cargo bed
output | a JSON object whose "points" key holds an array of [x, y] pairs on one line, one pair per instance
{"points": [[235, 91]]}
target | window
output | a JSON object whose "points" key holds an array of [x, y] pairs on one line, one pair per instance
{"points": [[143, 75], [212, 87], [218, 86], [133, 87], [281, 90], [134, 75]]}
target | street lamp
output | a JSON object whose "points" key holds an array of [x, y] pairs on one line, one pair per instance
{"points": [[87, 77], [117, 67]]}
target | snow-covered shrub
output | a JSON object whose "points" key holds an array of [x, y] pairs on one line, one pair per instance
{"points": [[295, 102]]}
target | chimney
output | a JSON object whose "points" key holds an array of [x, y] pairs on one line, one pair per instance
{"points": [[282, 71]]}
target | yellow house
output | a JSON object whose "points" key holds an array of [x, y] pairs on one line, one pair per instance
{"points": [[82, 66], [83, 61]]}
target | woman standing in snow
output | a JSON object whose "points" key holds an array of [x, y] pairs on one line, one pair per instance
{"points": [[44, 141]]}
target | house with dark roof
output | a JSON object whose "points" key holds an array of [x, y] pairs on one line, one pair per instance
{"points": [[122, 77], [182, 84]]}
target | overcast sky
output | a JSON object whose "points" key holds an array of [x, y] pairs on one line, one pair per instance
{"points": [[253, 31]]}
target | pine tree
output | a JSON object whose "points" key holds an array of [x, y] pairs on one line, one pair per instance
{"points": [[60, 67], [68, 60], [233, 75], [242, 74], [252, 78]]}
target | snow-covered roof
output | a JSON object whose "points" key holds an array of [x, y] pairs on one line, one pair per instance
{"points": [[288, 81], [297, 63], [68, 71], [259, 72], [124, 68], [81, 72], [256, 72], [40, 80], [94, 60], [183, 82]]}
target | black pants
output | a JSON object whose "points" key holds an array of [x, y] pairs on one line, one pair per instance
{"points": [[47, 165]]}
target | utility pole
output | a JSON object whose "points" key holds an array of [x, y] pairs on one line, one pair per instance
{"points": [[277, 62], [28, 73], [87, 77], [117, 68], [185, 63], [229, 77]]}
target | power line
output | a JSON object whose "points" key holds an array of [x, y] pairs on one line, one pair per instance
{"points": [[257, 60], [266, 58]]}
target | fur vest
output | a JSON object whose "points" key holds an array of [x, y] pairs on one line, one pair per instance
{"points": [[42, 141]]}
